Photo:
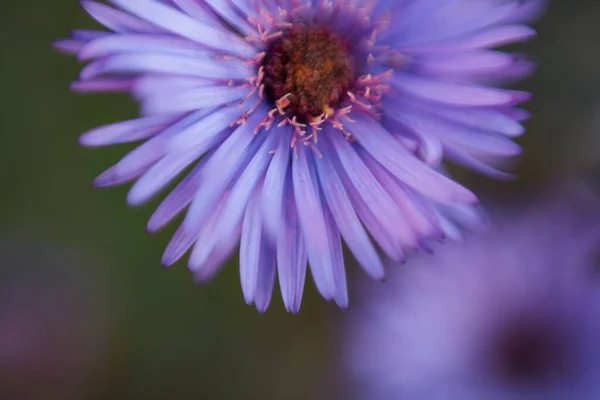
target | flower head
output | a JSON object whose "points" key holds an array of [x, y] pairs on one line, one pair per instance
{"points": [[304, 122], [513, 311]]}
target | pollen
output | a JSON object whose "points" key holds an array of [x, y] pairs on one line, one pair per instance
{"points": [[311, 69]]}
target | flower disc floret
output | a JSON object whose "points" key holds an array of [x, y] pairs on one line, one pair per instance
{"points": [[311, 68]]}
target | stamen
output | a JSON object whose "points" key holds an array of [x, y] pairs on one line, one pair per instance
{"points": [[308, 74]]}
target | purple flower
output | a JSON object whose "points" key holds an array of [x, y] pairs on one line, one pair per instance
{"points": [[300, 123], [513, 312]]}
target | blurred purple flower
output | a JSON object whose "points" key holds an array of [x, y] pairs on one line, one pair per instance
{"points": [[513, 312], [239, 91]]}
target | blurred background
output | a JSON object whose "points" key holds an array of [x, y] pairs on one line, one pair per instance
{"points": [[77, 263]]}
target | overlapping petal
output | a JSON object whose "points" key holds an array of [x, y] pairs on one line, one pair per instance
{"points": [[288, 196]]}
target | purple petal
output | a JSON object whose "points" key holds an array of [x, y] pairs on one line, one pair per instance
{"points": [[184, 239], [457, 94], [485, 142], [199, 11], [219, 171], [459, 156], [205, 269], [68, 46], [106, 85], [310, 215], [144, 156], [339, 274], [191, 99], [488, 38], [138, 43], [465, 64], [139, 63], [198, 133], [373, 194], [346, 219], [378, 231], [390, 154], [174, 21], [164, 84], [418, 214], [291, 257], [250, 247], [165, 170], [227, 12], [116, 20], [482, 119], [244, 186], [274, 185], [125, 132], [266, 278], [178, 199]]}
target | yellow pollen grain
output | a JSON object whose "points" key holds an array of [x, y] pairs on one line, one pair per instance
{"points": [[302, 72], [328, 111]]}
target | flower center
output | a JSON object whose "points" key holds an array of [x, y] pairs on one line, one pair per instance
{"points": [[307, 72]]}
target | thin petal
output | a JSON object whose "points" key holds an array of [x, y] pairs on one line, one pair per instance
{"points": [[174, 21], [310, 215], [274, 185], [266, 278], [125, 132], [346, 219], [404, 166], [457, 94], [250, 249], [291, 257], [231, 156], [117, 20], [191, 99], [339, 274], [139, 63], [137, 43]]}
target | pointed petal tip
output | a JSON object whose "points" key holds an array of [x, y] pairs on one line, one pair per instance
{"points": [[104, 180], [65, 46], [262, 308], [292, 306], [167, 260], [521, 97], [175, 250], [74, 86], [86, 140], [466, 196], [154, 225], [380, 277], [293, 310], [342, 303], [84, 54], [136, 199], [56, 44], [151, 229]]}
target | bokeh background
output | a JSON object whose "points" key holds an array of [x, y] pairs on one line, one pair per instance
{"points": [[86, 311]]}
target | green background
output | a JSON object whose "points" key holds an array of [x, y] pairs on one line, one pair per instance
{"points": [[169, 338]]}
